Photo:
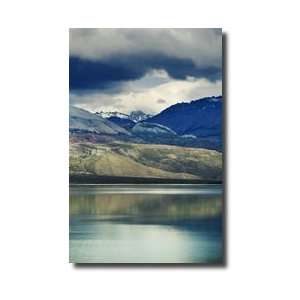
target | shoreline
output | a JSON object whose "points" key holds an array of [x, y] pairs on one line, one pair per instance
{"points": [[112, 180]]}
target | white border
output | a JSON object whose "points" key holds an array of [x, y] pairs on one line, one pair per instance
{"points": [[263, 151]]}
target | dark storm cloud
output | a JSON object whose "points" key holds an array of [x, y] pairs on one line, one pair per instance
{"points": [[104, 59], [143, 69], [86, 74]]}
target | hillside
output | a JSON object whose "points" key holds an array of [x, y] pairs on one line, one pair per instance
{"points": [[126, 121], [201, 118], [82, 120], [122, 122], [144, 160]]}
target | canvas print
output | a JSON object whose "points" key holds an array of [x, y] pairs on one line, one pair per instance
{"points": [[146, 146]]}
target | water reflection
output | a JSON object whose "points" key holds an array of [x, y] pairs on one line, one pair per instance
{"points": [[144, 225]]}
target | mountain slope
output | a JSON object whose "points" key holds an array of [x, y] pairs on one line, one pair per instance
{"points": [[122, 122], [201, 118], [145, 128], [144, 161], [82, 120], [138, 116], [109, 114], [135, 116]]}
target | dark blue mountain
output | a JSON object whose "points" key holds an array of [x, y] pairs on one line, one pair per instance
{"points": [[201, 118], [125, 123]]}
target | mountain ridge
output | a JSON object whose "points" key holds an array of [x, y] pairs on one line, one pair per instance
{"points": [[201, 118], [82, 120], [144, 160], [197, 123], [135, 115]]}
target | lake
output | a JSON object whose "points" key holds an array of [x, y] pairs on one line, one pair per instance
{"points": [[146, 223]]}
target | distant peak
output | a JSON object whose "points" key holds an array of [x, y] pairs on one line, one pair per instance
{"points": [[138, 116], [135, 116], [110, 114], [209, 99]]}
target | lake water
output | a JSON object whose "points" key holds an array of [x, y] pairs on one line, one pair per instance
{"points": [[146, 224]]}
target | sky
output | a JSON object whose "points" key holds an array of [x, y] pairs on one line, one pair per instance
{"points": [[143, 69]]}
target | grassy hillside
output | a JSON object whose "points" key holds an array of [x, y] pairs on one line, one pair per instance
{"points": [[144, 161]]}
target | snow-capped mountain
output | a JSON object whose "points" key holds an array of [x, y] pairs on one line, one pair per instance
{"points": [[110, 114], [138, 116], [82, 120], [201, 118], [135, 116]]}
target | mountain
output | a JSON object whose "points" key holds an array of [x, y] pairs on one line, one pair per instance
{"points": [[144, 161], [152, 133], [146, 128], [124, 120], [135, 116], [125, 123], [138, 116], [201, 118], [101, 151], [109, 114], [118, 118], [196, 124], [82, 120]]}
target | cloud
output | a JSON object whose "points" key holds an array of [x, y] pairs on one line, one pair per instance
{"points": [[86, 74], [202, 46], [143, 69], [106, 58], [136, 95]]}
